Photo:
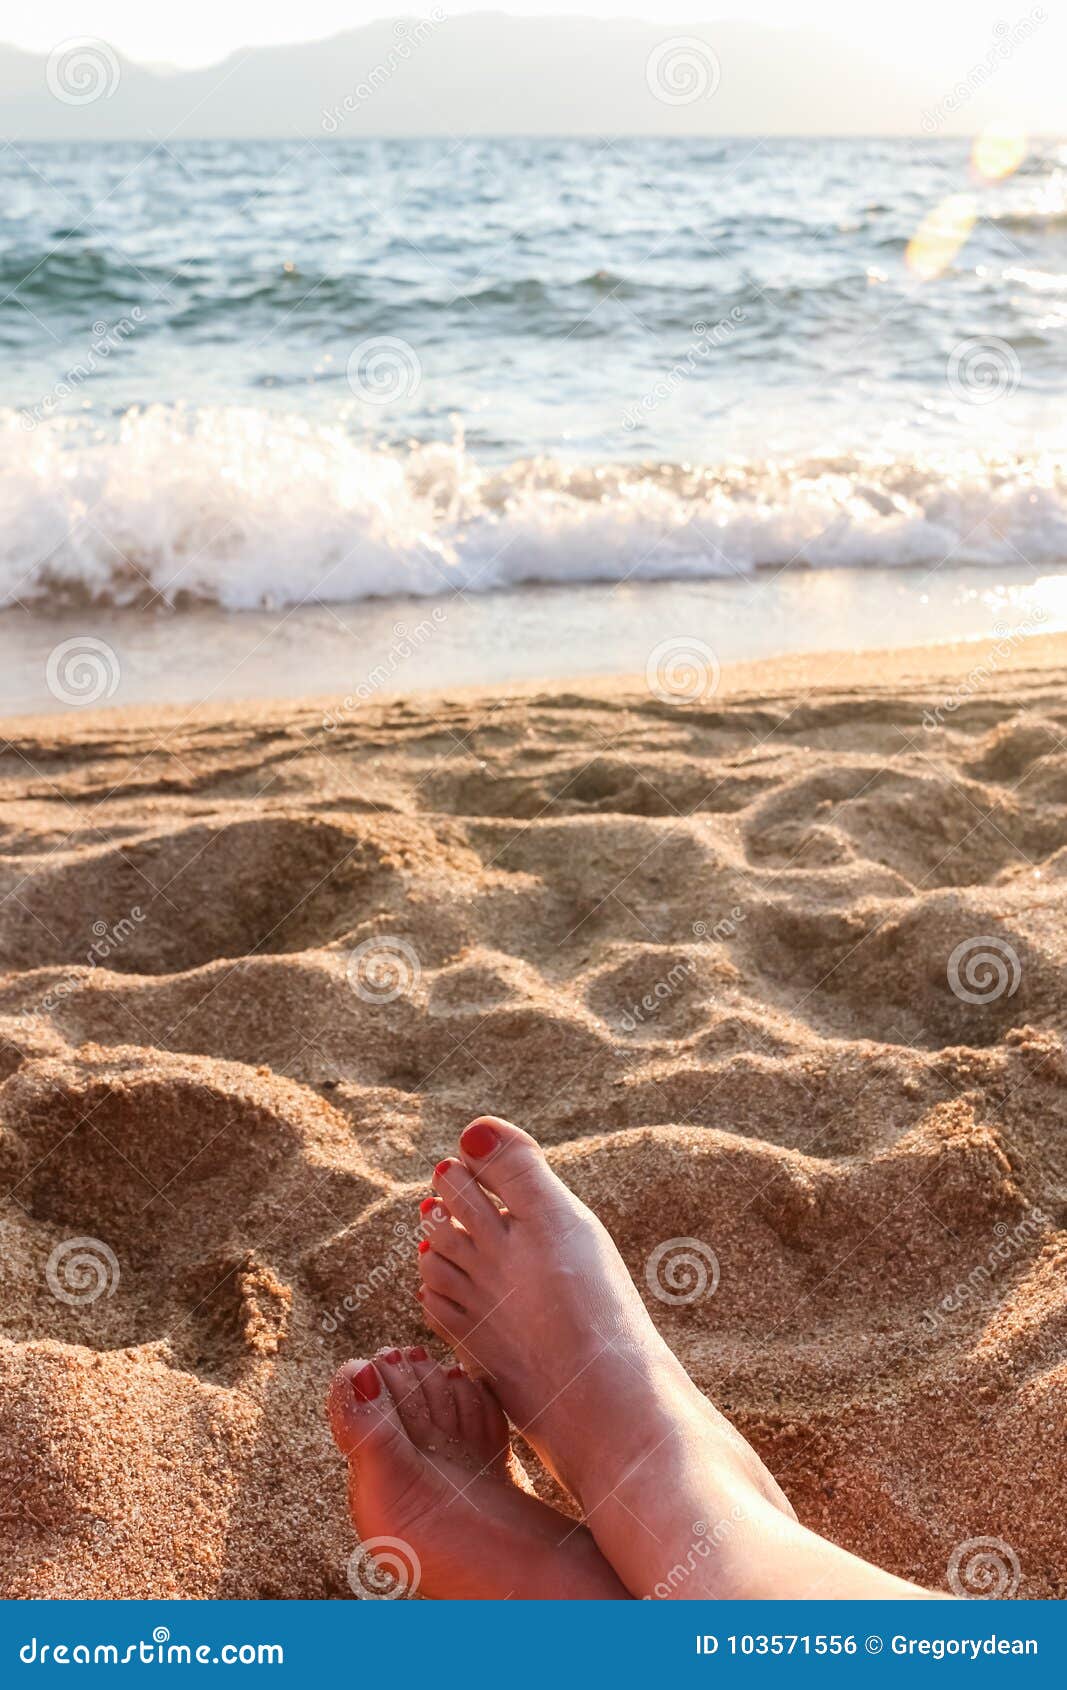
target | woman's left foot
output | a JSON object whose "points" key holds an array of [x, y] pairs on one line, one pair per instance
{"points": [[431, 1495], [524, 1282]]}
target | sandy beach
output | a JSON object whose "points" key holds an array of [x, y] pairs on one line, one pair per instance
{"points": [[776, 977]]}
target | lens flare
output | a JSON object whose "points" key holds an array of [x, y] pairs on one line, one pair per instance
{"points": [[998, 151], [940, 235]]}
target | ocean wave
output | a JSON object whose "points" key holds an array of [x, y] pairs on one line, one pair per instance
{"points": [[69, 275], [1030, 220], [65, 275], [195, 294], [246, 508]]}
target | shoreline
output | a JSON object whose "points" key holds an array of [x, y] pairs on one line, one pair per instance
{"points": [[376, 649], [921, 665]]}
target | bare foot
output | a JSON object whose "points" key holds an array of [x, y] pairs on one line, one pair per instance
{"points": [[537, 1298], [431, 1496]]}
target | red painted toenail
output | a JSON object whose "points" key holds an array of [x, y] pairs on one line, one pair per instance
{"points": [[424, 1245], [392, 1356], [441, 1169], [418, 1353], [455, 1373], [478, 1139], [427, 1204], [365, 1384], [419, 1293]]}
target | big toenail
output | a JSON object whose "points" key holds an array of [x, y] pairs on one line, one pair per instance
{"points": [[418, 1353], [424, 1245], [478, 1139], [365, 1384], [441, 1169], [392, 1356], [455, 1373], [426, 1205]]}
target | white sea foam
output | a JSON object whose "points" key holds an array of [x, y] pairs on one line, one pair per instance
{"points": [[248, 508]]}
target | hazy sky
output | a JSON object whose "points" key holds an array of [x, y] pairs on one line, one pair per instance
{"points": [[196, 33]]}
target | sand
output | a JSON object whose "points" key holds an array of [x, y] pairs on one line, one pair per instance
{"points": [[701, 950]]}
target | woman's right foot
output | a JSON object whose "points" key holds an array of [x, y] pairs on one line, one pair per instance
{"points": [[432, 1498], [535, 1297]]}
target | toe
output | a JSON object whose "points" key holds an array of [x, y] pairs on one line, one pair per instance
{"points": [[498, 1432], [440, 1397], [508, 1162], [465, 1200], [444, 1236], [440, 1276], [443, 1317], [404, 1386], [363, 1416], [482, 1426], [469, 1409]]}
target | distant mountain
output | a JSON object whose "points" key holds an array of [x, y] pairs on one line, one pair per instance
{"points": [[486, 73]]}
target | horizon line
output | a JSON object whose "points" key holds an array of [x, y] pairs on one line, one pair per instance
{"points": [[1037, 136]]}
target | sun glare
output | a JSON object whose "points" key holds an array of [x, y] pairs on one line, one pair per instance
{"points": [[998, 151], [940, 235]]}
